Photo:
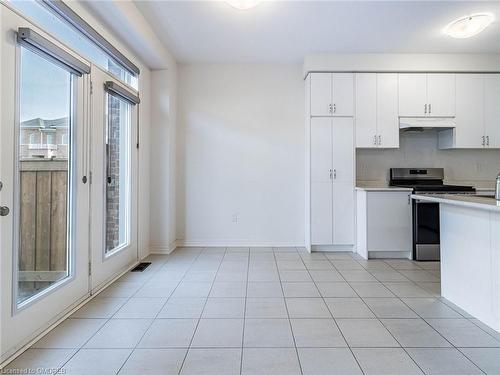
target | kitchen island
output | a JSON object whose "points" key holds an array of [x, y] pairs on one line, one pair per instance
{"points": [[470, 253]]}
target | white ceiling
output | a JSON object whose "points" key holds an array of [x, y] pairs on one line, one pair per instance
{"points": [[285, 31]]}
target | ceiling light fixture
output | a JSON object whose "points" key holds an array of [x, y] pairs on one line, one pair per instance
{"points": [[243, 4], [468, 26]]}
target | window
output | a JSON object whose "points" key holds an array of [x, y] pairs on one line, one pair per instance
{"points": [[118, 115], [73, 38], [44, 176]]}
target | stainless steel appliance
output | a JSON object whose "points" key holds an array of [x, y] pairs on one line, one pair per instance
{"points": [[425, 214]]}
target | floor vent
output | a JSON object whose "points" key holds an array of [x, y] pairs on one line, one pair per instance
{"points": [[141, 267]]}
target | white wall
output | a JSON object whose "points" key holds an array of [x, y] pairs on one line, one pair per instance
{"points": [[477, 167], [162, 165], [240, 155]]}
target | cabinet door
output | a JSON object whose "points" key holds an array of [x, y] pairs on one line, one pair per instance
{"points": [[366, 110], [441, 95], [389, 221], [321, 94], [321, 183], [492, 109], [321, 149], [469, 131], [343, 213], [412, 94], [343, 150], [387, 110], [321, 213], [343, 94]]}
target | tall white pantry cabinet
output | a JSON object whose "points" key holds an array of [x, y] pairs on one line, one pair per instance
{"points": [[330, 166]]}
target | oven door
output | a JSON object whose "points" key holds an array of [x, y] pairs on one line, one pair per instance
{"points": [[426, 231]]}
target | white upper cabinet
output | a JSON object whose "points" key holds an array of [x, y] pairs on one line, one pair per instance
{"points": [[477, 113], [321, 94], [469, 118], [332, 94], [343, 94], [426, 95], [492, 110], [412, 95], [377, 123], [441, 95], [387, 110], [366, 110]]}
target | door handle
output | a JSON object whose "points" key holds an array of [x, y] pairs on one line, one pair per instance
{"points": [[483, 140], [430, 109], [487, 140], [331, 174], [425, 108], [375, 140], [334, 174], [380, 140], [4, 210], [330, 108], [334, 107]]}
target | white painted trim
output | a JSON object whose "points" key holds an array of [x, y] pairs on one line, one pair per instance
{"points": [[163, 249], [401, 62], [236, 243], [64, 315], [389, 254]]}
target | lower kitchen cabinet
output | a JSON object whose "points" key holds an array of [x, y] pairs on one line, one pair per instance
{"points": [[384, 224]]}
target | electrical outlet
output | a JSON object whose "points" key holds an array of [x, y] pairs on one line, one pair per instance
{"points": [[235, 218]]}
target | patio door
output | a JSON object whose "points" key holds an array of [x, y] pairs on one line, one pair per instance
{"points": [[44, 197], [114, 183]]}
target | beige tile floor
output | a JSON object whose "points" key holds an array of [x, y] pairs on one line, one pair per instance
{"points": [[270, 311]]}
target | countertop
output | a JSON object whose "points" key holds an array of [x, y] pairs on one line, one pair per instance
{"points": [[364, 186], [464, 200]]}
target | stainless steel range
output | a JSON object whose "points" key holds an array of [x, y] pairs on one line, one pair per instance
{"points": [[426, 238]]}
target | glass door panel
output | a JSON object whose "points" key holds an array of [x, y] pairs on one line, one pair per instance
{"points": [[118, 117], [44, 174]]}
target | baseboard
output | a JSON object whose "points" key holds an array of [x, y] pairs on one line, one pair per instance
{"points": [[333, 248], [389, 254], [160, 249], [237, 243]]}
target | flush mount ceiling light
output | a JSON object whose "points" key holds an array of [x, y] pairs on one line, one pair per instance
{"points": [[469, 26], [243, 4]]}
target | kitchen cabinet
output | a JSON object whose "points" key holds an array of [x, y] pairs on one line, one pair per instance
{"points": [[332, 181], [492, 110], [477, 113], [377, 122], [332, 94], [384, 223], [426, 95]]}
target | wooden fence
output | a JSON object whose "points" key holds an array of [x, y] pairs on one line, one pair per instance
{"points": [[43, 220]]}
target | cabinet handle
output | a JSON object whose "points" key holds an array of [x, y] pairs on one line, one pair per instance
{"points": [[425, 108], [483, 141], [375, 139], [380, 140], [409, 198], [330, 108], [334, 107], [334, 174], [430, 109], [487, 140], [331, 174]]}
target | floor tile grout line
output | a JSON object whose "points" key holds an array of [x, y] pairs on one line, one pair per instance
{"points": [[331, 314], [106, 319], [244, 314], [202, 310], [288, 315], [470, 360], [158, 312]]}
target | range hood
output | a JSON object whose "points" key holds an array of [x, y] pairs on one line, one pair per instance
{"points": [[419, 124]]}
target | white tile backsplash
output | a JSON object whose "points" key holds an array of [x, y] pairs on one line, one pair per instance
{"points": [[476, 167]]}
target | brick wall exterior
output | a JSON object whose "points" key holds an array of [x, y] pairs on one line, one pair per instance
{"points": [[113, 188]]}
